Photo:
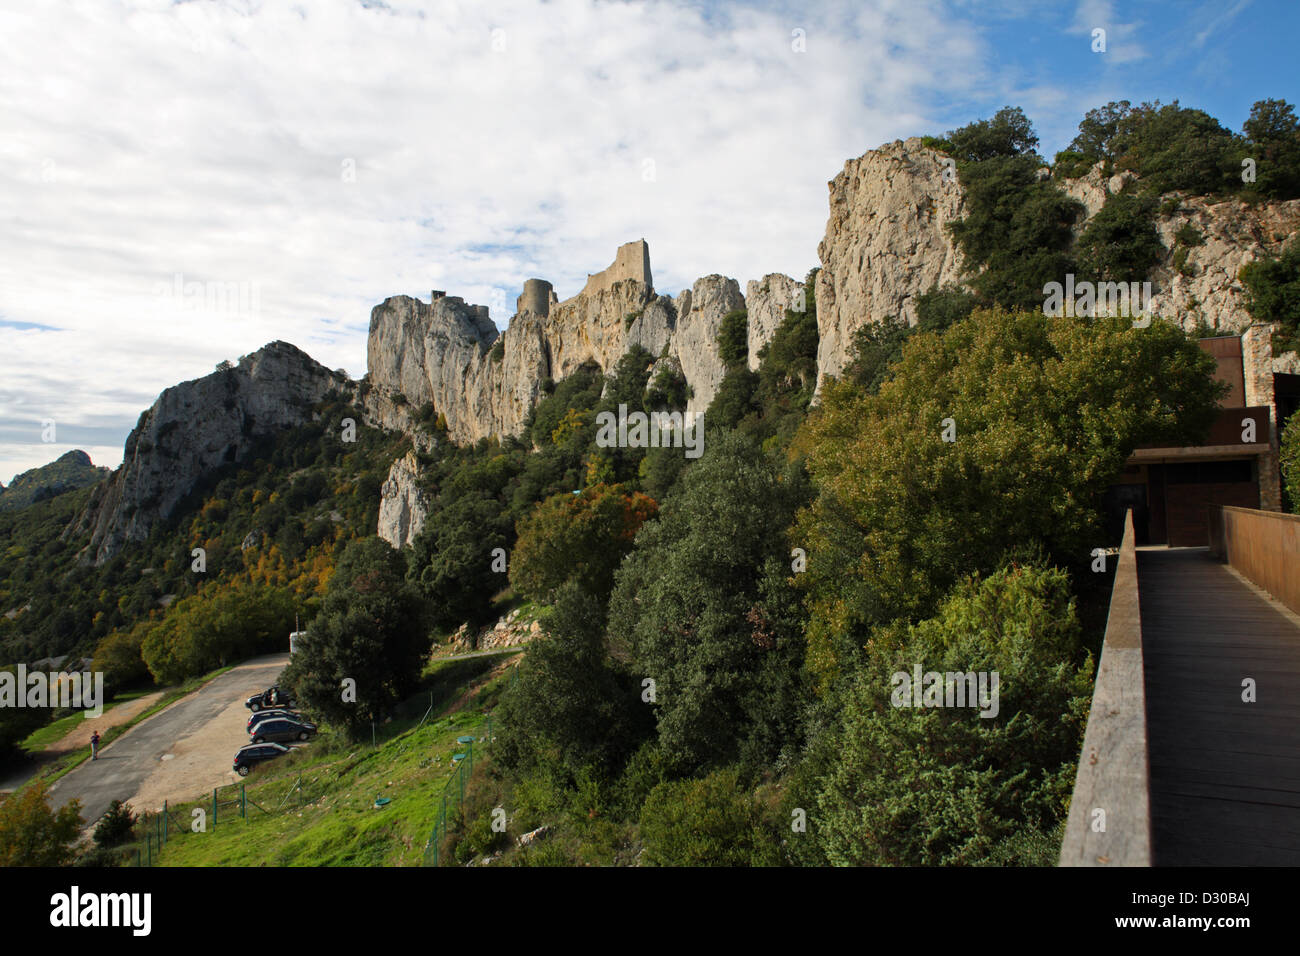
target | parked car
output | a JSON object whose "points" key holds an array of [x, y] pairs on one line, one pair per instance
{"points": [[262, 715], [271, 697], [250, 756], [282, 728]]}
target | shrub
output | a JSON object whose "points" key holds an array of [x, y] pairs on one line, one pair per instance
{"points": [[707, 822], [1290, 461], [950, 785], [116, 825]]}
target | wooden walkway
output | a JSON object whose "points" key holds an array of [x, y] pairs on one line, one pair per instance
{"points": [[1225, 775]]}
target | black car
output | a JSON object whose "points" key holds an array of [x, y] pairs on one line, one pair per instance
{"points": [[282, 728], [271, 697], [261, 715], [255, 754]]}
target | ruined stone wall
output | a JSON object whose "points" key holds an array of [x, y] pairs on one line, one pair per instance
{"points": [[632, 261]]}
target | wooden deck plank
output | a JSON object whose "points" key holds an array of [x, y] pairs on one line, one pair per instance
{"points": [[1225, 774]]}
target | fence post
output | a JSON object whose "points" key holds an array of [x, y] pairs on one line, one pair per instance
{"points": [[148, 849], [214, 808], [243, 801], [166, 822]]}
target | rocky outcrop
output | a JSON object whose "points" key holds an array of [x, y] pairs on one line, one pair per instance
{"points": [[1093, 189], [509, 631], [695, 344], [885, 243], [1204, 286], [66, 473], [403, 505], [767, 300], [194, 428], [486, 382]]}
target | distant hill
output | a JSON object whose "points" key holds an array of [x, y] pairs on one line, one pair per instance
{"points": [[67, 473]]}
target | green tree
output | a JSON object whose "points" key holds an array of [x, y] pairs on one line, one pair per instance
{"points": [[1044, 412], [1120, 243], [217, 626], [33, 834], [118, 656], [571, 711], [369, 631], [577, 537], [733, 338], [947, 785], [1273, 292], [1008, 133], [1273, 137], [1017, 232], [1097, 132], [454, 561], [116, 825], [705, 608]]}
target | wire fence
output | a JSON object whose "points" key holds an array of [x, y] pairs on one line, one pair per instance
{"points": [[228, 804], [452, 798]]}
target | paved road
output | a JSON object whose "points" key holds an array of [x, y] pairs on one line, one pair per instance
{"points": [[124, 764]]}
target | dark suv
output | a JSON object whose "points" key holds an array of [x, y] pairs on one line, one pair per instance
{"points": [[282, 728], [267, 714], [271, 697], [254, 754]]}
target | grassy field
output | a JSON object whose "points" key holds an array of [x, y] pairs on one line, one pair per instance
{"points": [[316, 807]]}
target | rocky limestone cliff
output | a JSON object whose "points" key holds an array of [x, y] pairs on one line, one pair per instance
{"points": [[402, 505], [485, 382], [767, 300], [885, 244], [1206, 288], [194, 428]]}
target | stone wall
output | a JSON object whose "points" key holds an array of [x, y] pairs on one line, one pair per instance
{"points": [[1257, 369], [632, 261]]}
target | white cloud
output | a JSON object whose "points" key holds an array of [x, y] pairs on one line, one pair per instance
{"points": [[146, 140], [1122, 44]]}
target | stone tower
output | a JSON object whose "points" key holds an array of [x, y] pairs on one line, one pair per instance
{"points": [[537, 297]]}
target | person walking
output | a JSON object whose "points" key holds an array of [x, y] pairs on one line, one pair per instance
{"points": [[94, 746]]}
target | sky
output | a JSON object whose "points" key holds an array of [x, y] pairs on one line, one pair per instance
{"points": [[181, 183]]}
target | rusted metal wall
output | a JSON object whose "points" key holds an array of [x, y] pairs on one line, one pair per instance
{"points": [[1263, 545]]}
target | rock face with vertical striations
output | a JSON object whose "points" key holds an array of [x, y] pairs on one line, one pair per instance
{"points": [[486, 382], [885, 243], [767, 300], [194, 428], [402, 505]]}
